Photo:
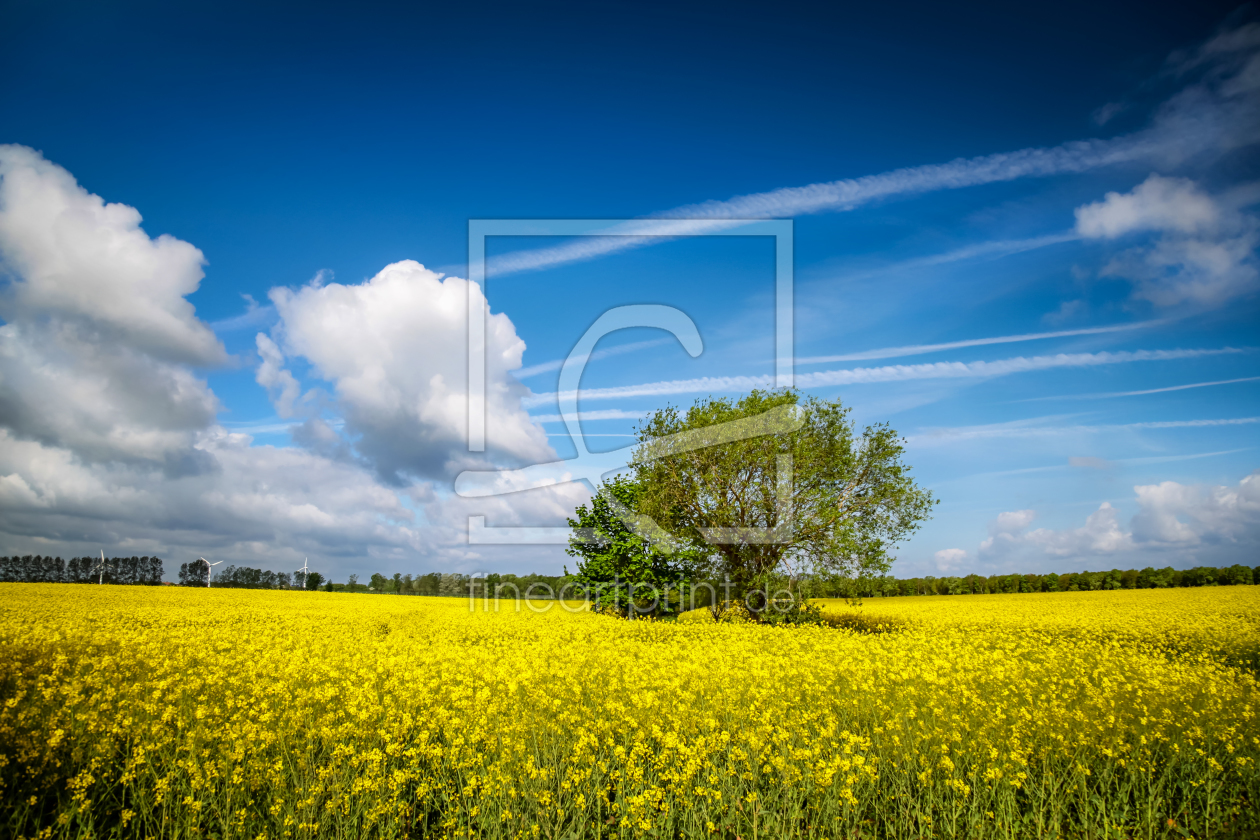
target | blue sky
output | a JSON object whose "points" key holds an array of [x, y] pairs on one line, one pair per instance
{"points": [[1078, 181]]}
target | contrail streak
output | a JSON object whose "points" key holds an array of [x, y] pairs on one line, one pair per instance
{"points": [[1148, 391], [917, 349], [851, 193], [887, 373]]}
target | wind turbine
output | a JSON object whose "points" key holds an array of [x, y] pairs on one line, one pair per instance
{"points": [[209, 567], [304, 571], [101, 568]]}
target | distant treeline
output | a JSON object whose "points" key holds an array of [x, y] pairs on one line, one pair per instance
{"points": [[244, 577], [432, 584], [1147, 578], [233, 577], [455, 585], [132, 571], [549, 586], [147, 571]]}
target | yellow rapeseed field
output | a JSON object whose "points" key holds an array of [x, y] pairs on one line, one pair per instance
{"points": [[1221, 620], [181, 713]]}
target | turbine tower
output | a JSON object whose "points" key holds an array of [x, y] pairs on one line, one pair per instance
{"points": [[209, 569], [304, 571], [101, 568]]}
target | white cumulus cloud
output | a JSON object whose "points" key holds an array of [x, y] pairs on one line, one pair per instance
{"points": [[99, 337], [1101, 534], [1163, 204], [394, 349], [108, 437], [281, 385], [1221, 524], [1179, 514], [80, 260], [950, 559], [1205, 252]]}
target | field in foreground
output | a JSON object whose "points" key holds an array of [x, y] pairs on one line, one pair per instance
{"points": [[172, 713]]}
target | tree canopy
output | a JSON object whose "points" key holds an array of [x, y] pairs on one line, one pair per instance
{"points": [[801, 490]]}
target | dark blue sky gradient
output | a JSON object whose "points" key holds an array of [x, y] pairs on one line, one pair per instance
{"points": [[281, 139]]}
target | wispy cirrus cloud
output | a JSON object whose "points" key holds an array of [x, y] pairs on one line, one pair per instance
{"points": [[1094, 463], [602, 414], [1029, 429], [1147, 391], [920, 349], [999, 367], [842, 195], [887, 373], [1214, 114], [981, 250], [556, 364], [253, 317]]}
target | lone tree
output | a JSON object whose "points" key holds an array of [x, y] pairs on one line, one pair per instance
{"points": [[811, 495]]}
